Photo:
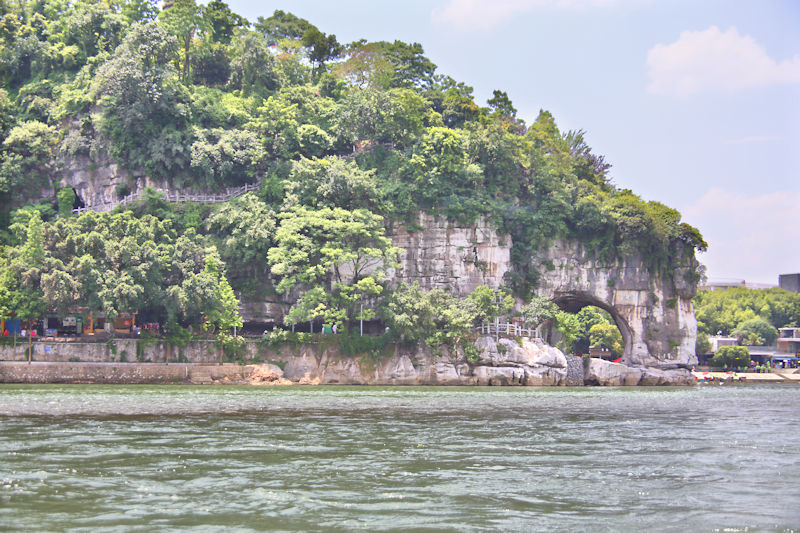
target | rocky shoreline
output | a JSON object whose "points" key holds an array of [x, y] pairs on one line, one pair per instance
{"points": [[505, 362]]}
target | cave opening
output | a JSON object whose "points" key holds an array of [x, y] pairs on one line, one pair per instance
{"points": [[78, 202]]}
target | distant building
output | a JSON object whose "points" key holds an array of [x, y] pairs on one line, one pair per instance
{"points": [[789, 282], [789, 340], [718, 342], [725, 284]]}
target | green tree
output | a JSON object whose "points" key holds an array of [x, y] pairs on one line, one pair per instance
{"points": [[608, 336], [490, 303], [226, 156], [137, 10], [26, 151], [66, 199], [183, 20], [731, 357], [759, 330], [207, 297], [501, 106], [222, 21], [283, 25], [588, 166], [539, 310], [321, 48], [702, 345], [338, 257], [727, 310], [439, 167], [253, 68], [588, 317], [569, 327], [20, 278], [434, 317], [332, 182], [244, 231], [144, 111]]}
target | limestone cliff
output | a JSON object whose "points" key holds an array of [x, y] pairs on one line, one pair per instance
{"points": [[444, 255], [653, 310]]}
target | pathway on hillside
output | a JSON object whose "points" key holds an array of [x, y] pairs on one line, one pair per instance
{"points": [[176, 197]]}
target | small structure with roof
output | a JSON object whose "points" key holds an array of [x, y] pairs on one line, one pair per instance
{"points": [[789, 341]]}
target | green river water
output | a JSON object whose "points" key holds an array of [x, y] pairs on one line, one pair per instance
{"points": [[218, 458]]}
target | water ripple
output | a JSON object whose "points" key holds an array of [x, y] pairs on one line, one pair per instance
{"points": [[82, 458]]}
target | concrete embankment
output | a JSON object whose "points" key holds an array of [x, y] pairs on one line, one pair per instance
{"points": [[126, 373]]}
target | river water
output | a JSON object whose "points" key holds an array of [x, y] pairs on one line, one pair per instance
{"points": [[148, 458]]}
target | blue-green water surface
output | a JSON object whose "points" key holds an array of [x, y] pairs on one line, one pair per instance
{"points": [[172, 458]]}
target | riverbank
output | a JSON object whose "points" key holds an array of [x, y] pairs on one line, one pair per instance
{"points": [[777, 376], [136, 373], [502, 362]]}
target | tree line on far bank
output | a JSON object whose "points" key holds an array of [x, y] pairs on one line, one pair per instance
{"points": [[752, 314]]}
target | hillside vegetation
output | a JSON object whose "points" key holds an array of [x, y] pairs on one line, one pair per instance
{"points": [[345, 139]]}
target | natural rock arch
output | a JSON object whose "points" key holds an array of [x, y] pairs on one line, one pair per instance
{"points": [[653, 311], [574, 301]]}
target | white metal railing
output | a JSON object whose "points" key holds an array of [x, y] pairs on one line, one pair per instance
{"points": [[177, 197], [508, 329]]}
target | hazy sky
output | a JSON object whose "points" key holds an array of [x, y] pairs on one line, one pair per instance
{"points": [[695, 103]]}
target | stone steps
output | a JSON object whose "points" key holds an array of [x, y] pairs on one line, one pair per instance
{"points": [[200, 375]]}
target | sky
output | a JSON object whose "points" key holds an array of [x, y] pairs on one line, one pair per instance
{"points": [[696, 104]]}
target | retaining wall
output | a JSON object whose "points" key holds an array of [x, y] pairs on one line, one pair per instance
{"points": [[116, 351], [119, 373]]}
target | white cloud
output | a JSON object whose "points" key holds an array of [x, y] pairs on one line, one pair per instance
{"points": [[713, 60], [752, 237], [486, 14]]}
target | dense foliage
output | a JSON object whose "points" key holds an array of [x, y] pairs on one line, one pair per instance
{"points": [[731, 357], [117, 263], [344, 138], [753, 314]]}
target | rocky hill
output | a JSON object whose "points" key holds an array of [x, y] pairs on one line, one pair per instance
{"points": [[385, 193]]}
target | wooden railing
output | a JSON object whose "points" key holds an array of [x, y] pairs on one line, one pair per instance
{"points": [[177, 197]]}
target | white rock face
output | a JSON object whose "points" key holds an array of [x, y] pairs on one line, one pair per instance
{"points": [[539, 363], [444, 255], [655, 376], [606, 373], [544, 376], [342, 371], [504, 375], [400, 371], [301, 367], [633, 377], [445, 373], [654, 313]]}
